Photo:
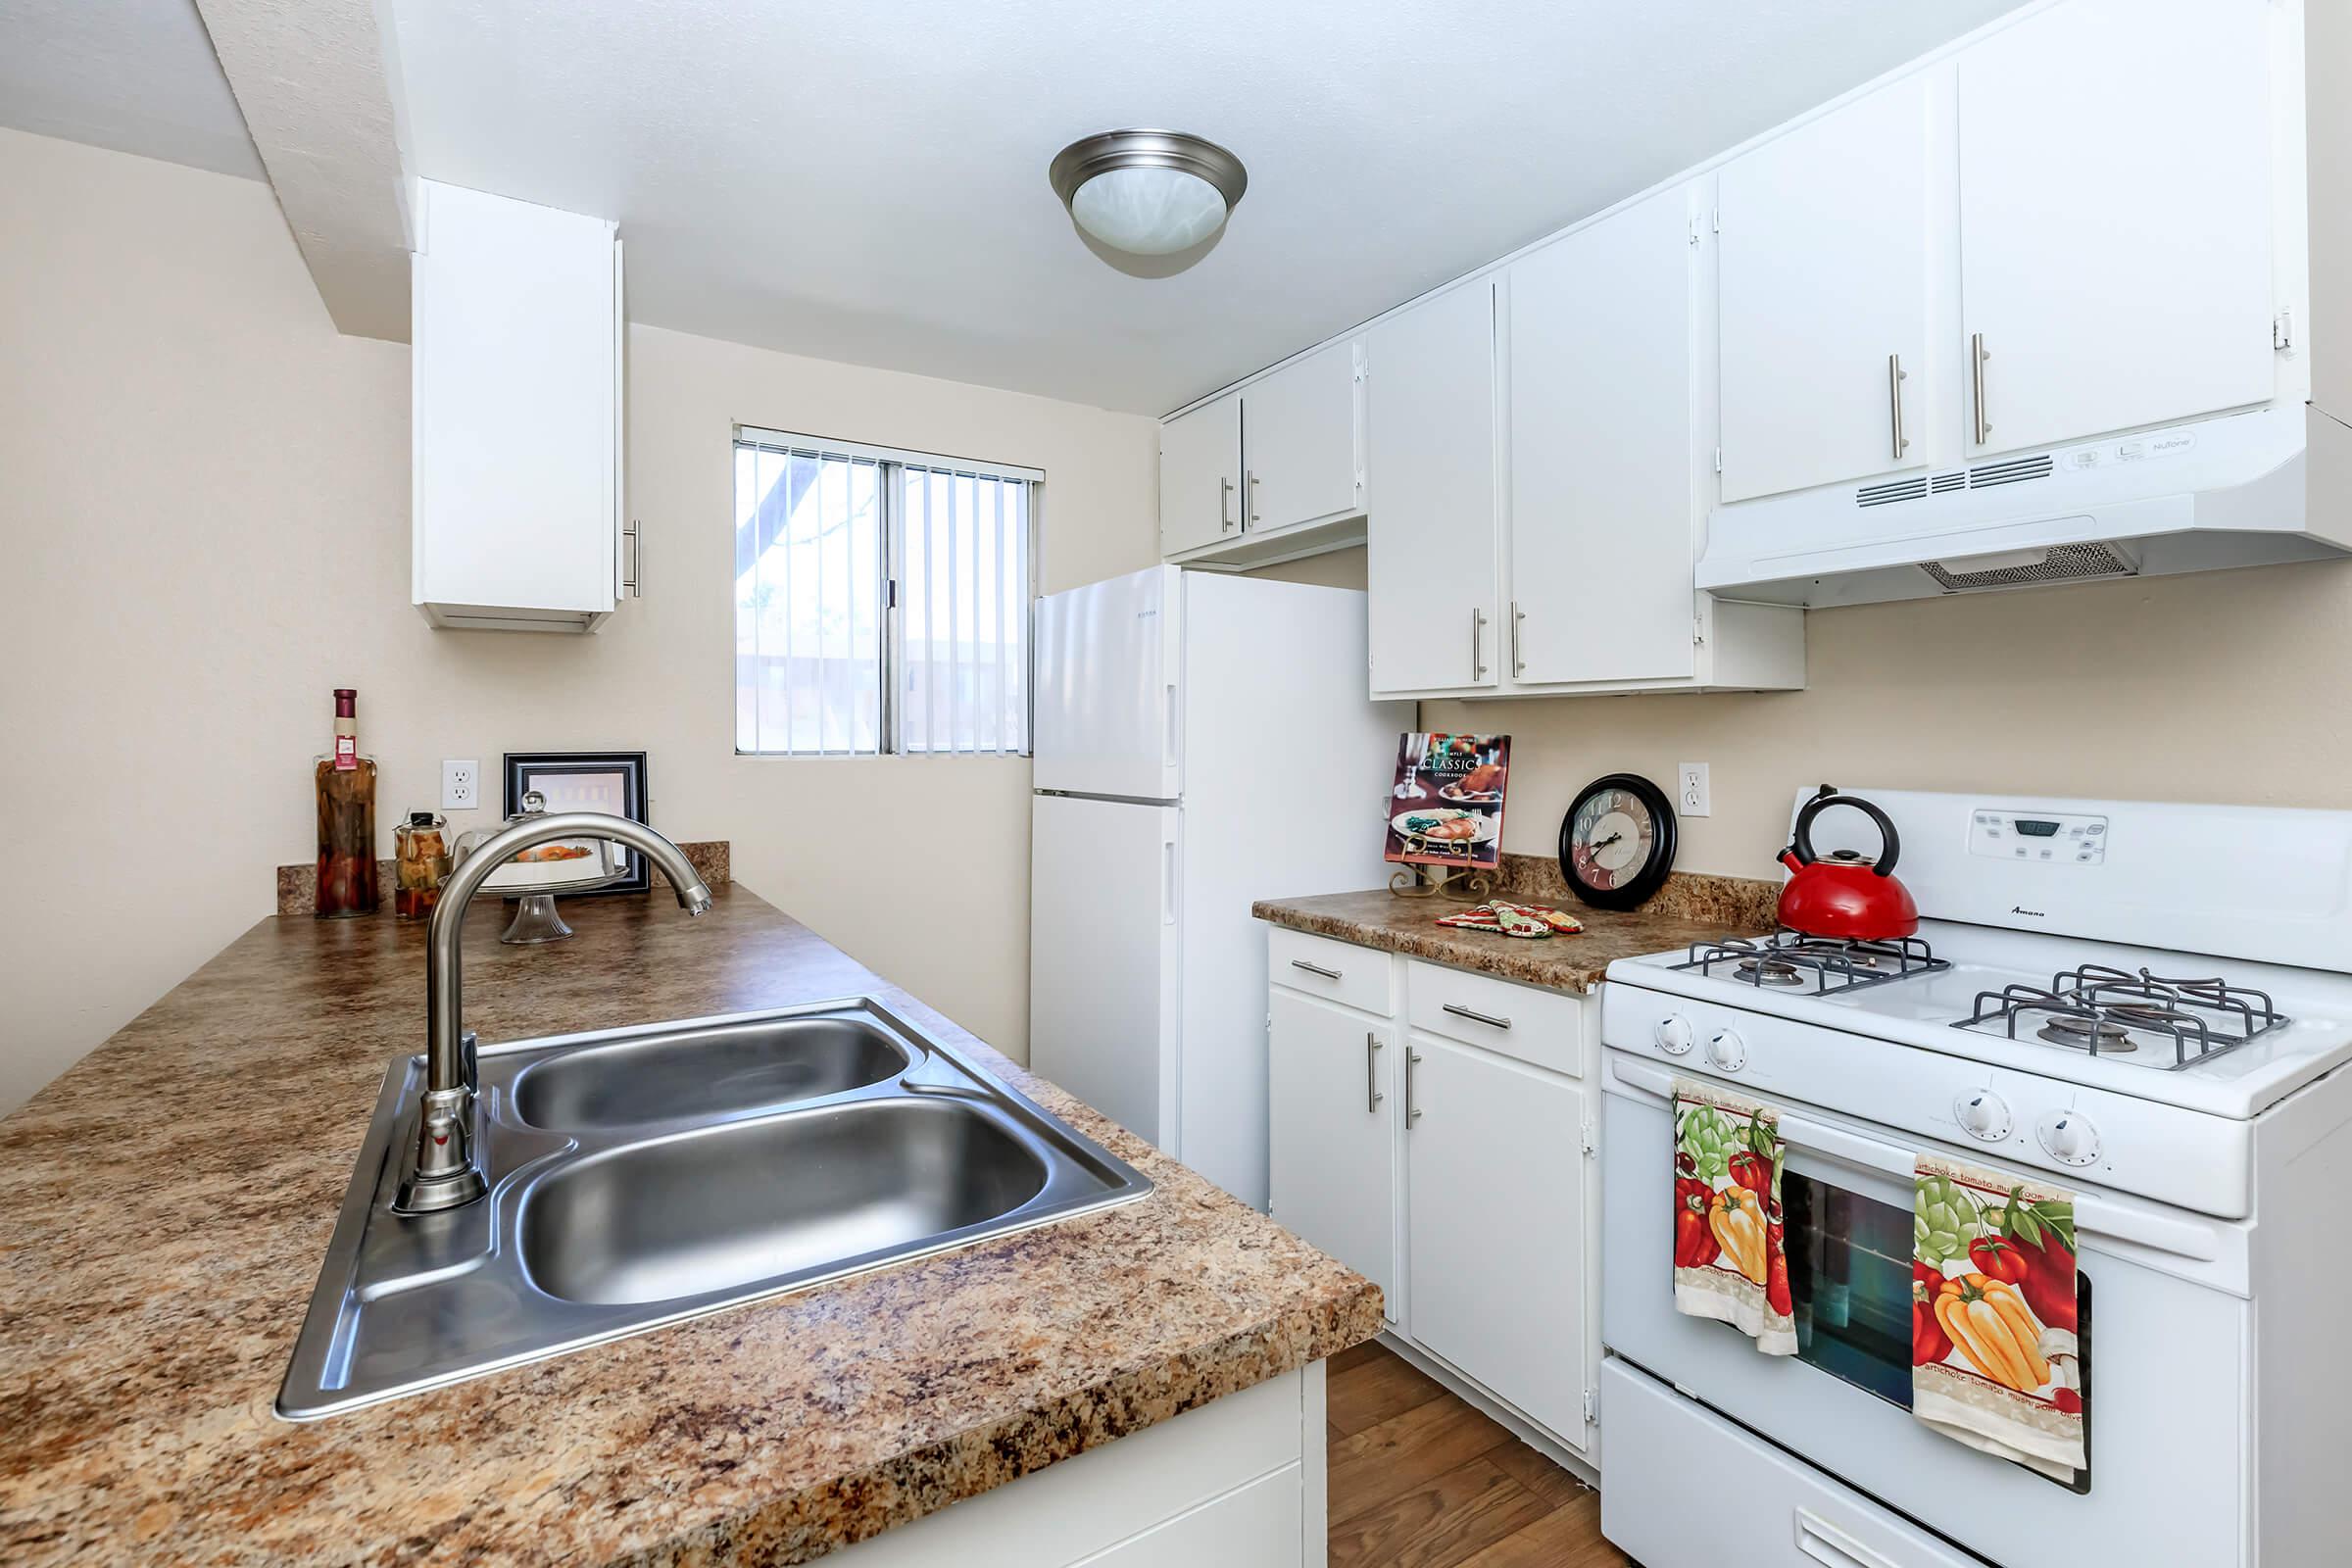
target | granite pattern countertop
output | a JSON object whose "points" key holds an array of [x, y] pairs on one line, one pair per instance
{"points": [[164, 1206], [1688, 908]]}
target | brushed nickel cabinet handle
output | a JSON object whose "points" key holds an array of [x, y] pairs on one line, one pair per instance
{"points": [[1250, 500], [1478, 644], [1314, 968], [1412, 1113], [1475, 1016], [1518, 660], [1978, 354], [1372, 1093], [1224, 511], [634, 582], [1896, 377]]}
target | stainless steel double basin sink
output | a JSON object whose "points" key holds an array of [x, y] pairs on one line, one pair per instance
{"points": [[640, 1176]]}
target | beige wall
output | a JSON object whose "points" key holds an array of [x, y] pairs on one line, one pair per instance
{"points": [[2223, 686], [204, 508]]}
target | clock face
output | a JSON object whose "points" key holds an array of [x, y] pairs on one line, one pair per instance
{"points": [[1610, 838], [1617, 842]]}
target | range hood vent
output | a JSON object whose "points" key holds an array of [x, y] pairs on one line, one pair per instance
{"points": [[2017, 470], [2022, 568]]}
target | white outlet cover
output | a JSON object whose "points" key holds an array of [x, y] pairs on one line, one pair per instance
{"points": [[1692, 794], [461, 784]]}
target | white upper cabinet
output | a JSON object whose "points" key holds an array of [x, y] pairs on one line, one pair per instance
{"points": [[1200, 476], [516, 363], [1824, 276], [1602, 451], [2116, 218], [1301, 442], [1429, 400]]}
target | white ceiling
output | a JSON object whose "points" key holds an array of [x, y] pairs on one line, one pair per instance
{"points": [[867, 181], [137, 75]]}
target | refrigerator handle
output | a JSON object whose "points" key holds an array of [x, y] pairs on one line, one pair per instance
{"points": [[1167, 745], [1167, 881]]}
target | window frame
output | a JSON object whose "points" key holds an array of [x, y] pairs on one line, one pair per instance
{"points": [[893, 464]]}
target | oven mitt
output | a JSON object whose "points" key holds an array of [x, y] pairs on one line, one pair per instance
{"points": [[1995, 1358], [1529, 920], [1729, 1262]]}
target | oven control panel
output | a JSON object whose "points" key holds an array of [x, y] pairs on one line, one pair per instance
{"points": [[2054, 837]]}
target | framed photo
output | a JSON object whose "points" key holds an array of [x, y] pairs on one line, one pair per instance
{"points": [[613, 782], [1446, 805]]}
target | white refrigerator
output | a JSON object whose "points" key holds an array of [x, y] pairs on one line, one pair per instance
{"points": [[1201, 740]]}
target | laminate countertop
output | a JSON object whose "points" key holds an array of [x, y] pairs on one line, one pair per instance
{"points": [[1689, 909], [164, 1206]]}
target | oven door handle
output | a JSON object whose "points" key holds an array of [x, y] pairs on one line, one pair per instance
{"points": [[2140, 1225]]}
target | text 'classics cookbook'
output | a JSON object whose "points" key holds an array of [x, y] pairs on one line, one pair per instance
{"points": [[1446, 808]]}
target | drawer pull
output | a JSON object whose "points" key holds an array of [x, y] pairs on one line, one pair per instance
{"points": [[1825, 1543], [1475, 1016], [1314, 968], [1372, 1093]]}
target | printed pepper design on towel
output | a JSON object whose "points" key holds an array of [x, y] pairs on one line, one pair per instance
{"points": [[1730, 1263], [1996, 1359]]}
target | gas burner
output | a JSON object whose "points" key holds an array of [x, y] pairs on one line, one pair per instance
{"points": [[1789, 960], [2106, 1012], [1768, 972], [2095, 1035]]}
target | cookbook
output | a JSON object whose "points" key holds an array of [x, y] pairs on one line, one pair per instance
{"points": [[1447, 807]]}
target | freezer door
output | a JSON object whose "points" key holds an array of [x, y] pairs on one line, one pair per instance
{"points": [[1103, 905], [1108, 688]]}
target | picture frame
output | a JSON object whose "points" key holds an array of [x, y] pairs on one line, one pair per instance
{"points": [[588, 781]]}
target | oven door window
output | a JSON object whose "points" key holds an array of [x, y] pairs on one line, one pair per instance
{"points": [[1849, 1278]]}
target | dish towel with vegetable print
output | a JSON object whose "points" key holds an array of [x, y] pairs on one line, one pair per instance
{"points": [[1728, 1263], [1995, 1358]]}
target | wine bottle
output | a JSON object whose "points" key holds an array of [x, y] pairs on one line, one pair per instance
{"points": [[346, 783]]}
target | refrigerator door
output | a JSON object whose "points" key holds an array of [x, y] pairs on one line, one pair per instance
{"points": [[1286, 795], [1104, 928], [1108, 688]]}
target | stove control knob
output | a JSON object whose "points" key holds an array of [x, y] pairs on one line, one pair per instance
{"points": [[2069, 1138], [1674, 1035], [1727, 1051], [1984, 1115]]}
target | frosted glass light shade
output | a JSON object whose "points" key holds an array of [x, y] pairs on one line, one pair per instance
{"points": [[1149, 212], [1148, 192]]}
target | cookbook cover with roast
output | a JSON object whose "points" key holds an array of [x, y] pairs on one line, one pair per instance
{"points": [[1446, 808]]}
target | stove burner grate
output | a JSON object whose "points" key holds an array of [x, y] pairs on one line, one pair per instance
{"points": [[1788, 961], [2106, 1012]]}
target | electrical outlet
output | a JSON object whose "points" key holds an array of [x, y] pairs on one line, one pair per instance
{"points": [[1690, 797], [461, 784]]}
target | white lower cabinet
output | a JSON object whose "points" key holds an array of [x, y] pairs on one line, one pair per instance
{"points": [[1238, 1483], [1495, 1164], [1435, 1132], [1334, 1174]]}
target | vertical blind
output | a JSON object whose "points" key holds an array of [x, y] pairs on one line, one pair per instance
{"points": [[881, 600]]}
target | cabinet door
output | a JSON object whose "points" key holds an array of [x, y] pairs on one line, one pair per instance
{"points": [[1600, 513], [1428, 422], [1200, 476], [1494, 1164], [2115, 217], [1824, 275], [1298, 442], [1332, 1158]]}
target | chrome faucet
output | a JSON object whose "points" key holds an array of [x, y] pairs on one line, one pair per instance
{"points": [[444, 1171]]}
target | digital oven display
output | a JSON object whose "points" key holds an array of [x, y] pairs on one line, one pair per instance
{"points": [[2028, 828]]}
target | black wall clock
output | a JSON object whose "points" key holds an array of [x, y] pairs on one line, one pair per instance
{"points": [[1617, 842]]}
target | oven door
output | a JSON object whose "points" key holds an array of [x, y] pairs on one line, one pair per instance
{"points": [[2165, 1349]]}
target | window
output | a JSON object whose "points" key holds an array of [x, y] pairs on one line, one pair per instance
{"points": [[881, 600]]}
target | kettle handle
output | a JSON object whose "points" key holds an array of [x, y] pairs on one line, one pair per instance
{"points": [[1801, 843]]}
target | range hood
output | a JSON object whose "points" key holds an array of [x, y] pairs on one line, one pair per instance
{"points": [[2256, 488]]}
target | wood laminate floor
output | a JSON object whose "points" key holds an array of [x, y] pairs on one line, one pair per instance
{"points": [[1421, 1480]]}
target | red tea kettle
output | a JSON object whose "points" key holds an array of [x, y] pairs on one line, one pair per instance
{"points": [[1845, 895]]}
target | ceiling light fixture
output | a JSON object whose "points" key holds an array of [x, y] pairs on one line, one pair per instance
{"points": [[1148, 192]]}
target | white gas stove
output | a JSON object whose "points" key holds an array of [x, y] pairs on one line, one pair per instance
{"points": [[2149, 1003]]}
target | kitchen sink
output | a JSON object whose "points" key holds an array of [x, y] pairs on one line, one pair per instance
{"points": [[641, 1176]]}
